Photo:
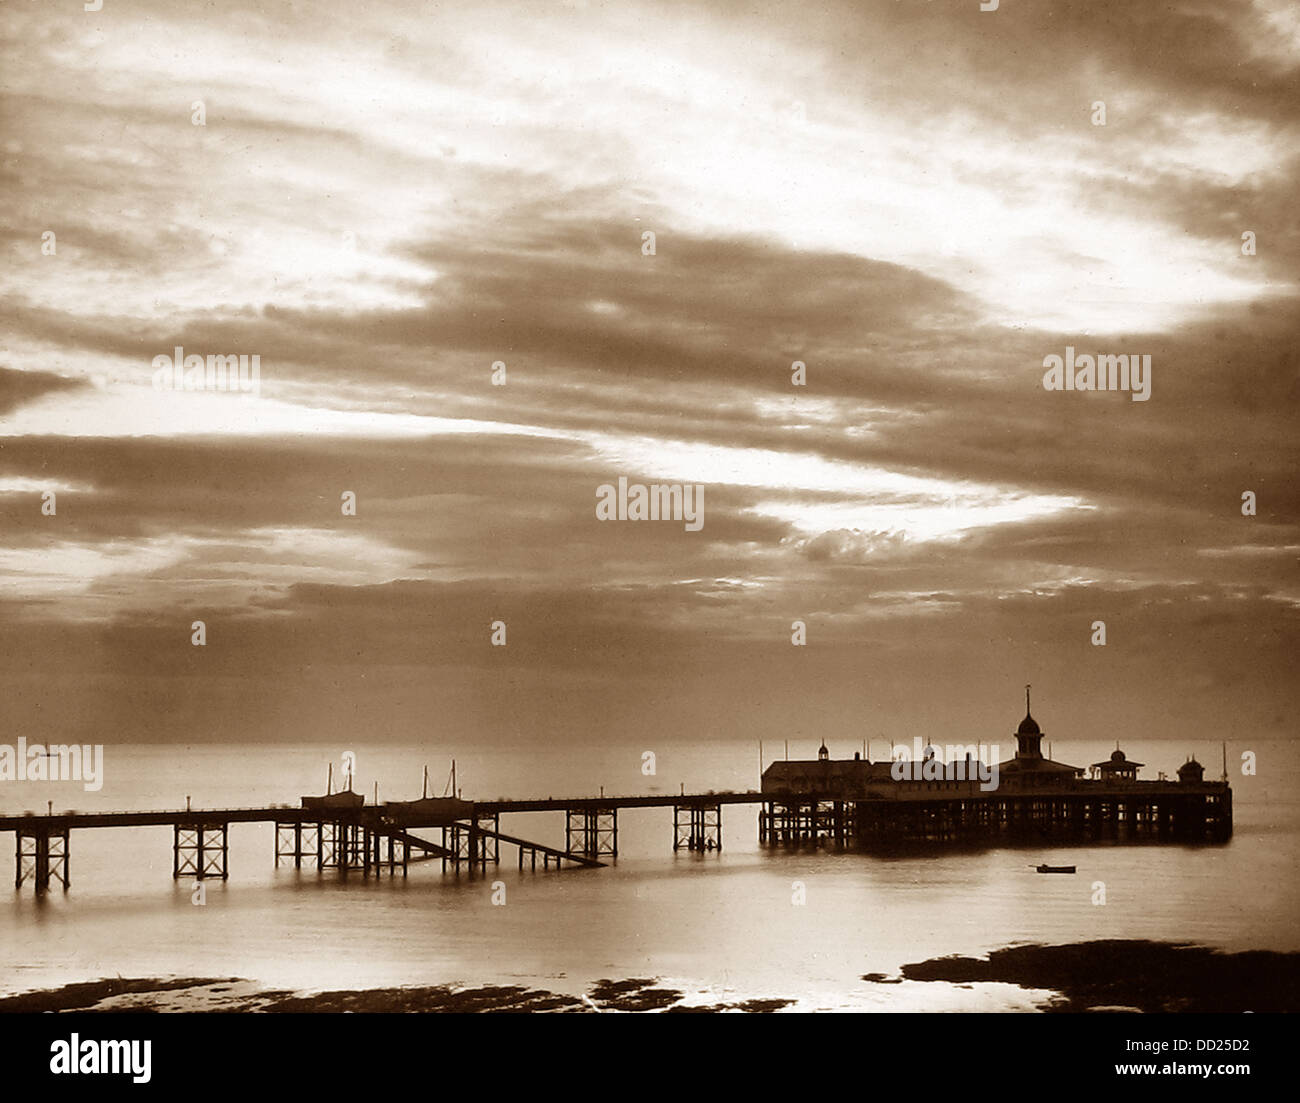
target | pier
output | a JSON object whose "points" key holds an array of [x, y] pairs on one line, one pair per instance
{"points": [[804, 803], [341, 832], [1032, 799]]}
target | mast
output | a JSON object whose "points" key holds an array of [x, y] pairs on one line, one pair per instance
{"points": [[425, 791], [329, 781]]}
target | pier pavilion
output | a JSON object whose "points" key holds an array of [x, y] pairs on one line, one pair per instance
{"points": [[858, 802]]}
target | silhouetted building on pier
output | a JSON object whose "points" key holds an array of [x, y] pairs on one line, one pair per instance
{"points": [[1029, 796]]}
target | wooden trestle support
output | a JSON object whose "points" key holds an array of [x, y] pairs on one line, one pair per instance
{"points": [[472, 844], [1201, 816], [805, 823], [197, 853], [591, 832], [41, 856], [697, 827], [345, 845], [298, 840]]}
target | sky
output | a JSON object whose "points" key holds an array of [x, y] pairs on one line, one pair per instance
{"points": [[917, 201]]}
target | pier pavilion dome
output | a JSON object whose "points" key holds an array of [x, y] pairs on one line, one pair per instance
{"points": [[1029, 767], [1029, 736], [1119, 767]]}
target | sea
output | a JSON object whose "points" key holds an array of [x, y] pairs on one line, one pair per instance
{"points": [[747, 922]]}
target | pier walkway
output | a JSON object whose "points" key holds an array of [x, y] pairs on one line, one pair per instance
{"points": [[371, 838]]}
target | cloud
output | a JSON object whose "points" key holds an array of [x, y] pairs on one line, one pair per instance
{"points": [[909, 199], [17, 388]]}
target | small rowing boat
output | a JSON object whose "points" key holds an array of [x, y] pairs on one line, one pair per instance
{"points": [[1056, 869]]}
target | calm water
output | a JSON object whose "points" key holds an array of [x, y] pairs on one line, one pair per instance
{"points": [[717, 926]]}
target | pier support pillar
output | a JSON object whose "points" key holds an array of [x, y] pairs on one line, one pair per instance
{"points": [[328, 845], [297, 840], [399, 854], [200, 850], [798, 820], [343, 845], [41, 856], [462, 840], [475, 843], [591, 832], [697, 827], [489, 846]]}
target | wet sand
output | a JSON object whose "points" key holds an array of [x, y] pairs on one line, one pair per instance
{"points": [[205, 994], [1133, 975], [1110, 976]]}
